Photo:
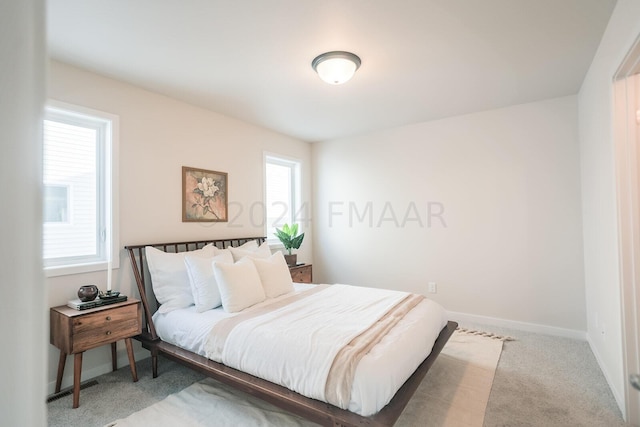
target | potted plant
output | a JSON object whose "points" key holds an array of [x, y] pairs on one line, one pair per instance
{"points": [[290, 240]]}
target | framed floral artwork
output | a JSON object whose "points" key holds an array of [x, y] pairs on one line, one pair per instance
{"points": [[204, 195]]}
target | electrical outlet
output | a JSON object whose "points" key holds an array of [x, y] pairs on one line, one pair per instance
{"points": [[433, 288]]}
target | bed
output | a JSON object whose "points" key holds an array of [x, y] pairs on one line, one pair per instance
{"points": [[184, 335]]}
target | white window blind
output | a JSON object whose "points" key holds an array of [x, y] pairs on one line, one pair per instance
{"points": [[77, 198]]}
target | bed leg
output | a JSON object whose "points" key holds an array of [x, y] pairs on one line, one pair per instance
{"points": [[154, 362]]}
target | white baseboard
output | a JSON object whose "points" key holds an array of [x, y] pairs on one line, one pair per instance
{"points": [[522, 326], [123, 360], [618, 396]]}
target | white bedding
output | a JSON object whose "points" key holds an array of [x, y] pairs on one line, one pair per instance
{"points": [[379, 374]]}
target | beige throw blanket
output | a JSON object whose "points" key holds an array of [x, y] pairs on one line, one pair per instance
{"points": [[311, 342], [343, 370]]}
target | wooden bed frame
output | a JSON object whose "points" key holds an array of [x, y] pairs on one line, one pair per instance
{"points": [[311, 409]]}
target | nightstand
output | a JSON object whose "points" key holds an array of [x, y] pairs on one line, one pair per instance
{"points": [[301, 273], [75, 331]]}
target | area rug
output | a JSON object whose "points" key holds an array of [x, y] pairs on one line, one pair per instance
{"points": [[454, 392]]}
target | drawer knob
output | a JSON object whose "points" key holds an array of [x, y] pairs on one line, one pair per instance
{"points": [[108, 317], [108, 332]]}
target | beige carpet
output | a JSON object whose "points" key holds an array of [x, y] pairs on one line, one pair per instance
{"points": [[454, 393]]}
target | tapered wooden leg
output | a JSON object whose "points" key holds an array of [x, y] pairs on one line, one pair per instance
{"points": [[132, 360], [77, 371], [114, 357], [154, 362], [61, 362]]}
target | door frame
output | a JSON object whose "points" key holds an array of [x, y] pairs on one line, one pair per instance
{"points": [[626, 91]]}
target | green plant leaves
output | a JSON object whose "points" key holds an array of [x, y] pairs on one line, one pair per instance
{"points": [[297, 241], [288, 237]]}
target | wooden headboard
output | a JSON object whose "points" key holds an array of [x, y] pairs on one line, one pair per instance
{"points": [[143, 280]]}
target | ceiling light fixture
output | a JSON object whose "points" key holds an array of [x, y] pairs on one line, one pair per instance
{"points": [[336, 67]]}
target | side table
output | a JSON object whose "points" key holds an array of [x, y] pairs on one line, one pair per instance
{"points": [[75, 331], [301, 273]]}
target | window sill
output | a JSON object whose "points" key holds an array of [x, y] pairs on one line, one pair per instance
{"points": [[65, 270]]}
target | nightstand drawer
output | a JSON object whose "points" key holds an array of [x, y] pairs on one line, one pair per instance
{"points": [[74, 331], [104, 319], [105, 334], [301, 273]]}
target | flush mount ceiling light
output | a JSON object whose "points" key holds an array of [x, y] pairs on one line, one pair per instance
{"points": [[336, 67]]}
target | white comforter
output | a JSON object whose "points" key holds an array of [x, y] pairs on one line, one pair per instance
{"points": [[378, 375], [295, 345]]}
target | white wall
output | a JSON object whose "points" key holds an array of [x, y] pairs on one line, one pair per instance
{"points": [[159, 135], [508, 181], [599, 194], [22, 304]]}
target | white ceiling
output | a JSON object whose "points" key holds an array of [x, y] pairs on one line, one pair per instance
{"points": [[251, 59]]}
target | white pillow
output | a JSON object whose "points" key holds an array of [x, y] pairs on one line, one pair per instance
{"points": [[225, 252], [274, 275], [259, 252], [169, 277], [204, 287], [239, 285], [250, 245]]}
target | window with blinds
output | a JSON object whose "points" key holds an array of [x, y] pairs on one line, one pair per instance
{"points": [[282, 199], [76, 204]]}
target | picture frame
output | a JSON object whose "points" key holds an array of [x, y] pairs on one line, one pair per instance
{"points": [[204, 195]]}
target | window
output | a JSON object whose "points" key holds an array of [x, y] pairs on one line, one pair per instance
{"points": [[282, 194], [56, 203], [78, 171]]}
